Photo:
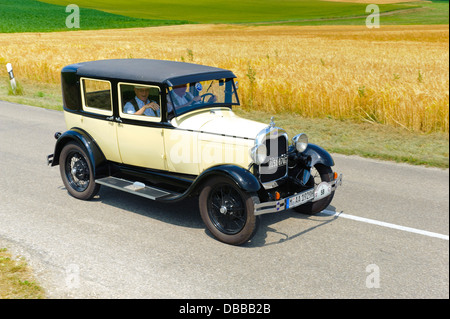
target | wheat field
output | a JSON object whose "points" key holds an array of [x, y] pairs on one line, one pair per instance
{"points": [[395, 75]]}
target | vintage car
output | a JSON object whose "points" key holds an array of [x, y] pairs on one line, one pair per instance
{"points": [[166, 130]]}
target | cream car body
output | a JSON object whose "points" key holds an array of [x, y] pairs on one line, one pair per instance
{"points": [[206, 139]]}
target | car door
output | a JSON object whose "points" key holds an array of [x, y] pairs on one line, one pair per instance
{"points": [[140, 137], [97, 104]]}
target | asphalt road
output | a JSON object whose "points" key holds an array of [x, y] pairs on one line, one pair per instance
{"points": [[385, 235]]}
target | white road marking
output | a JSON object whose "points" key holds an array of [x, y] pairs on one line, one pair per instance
{"points": [[384, 224]]}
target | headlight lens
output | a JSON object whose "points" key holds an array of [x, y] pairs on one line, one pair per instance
{"points": [[258, 153], [300, 142]]}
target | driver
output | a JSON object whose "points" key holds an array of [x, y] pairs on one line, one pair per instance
{"points": [[181, 97]]}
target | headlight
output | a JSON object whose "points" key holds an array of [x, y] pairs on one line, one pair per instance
{"points": [[300, 142], [258, 153]]}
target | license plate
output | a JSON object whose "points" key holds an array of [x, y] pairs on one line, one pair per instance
{"points": [[275, 162], [300, 199]]}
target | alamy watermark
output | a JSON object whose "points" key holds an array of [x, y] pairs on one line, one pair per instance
{"points": [[373, 279], [73, 19], [72, 277], [373, 19]]}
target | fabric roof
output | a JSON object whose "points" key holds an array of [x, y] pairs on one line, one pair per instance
{"points": [[147, 70]]}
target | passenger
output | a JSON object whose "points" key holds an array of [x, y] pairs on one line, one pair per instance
{"points": [[141, 105]]}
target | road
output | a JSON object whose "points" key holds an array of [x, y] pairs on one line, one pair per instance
{"points": [[385, 235]]}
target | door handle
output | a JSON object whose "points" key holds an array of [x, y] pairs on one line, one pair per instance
{"points": [[110, 118], [118, 119]]}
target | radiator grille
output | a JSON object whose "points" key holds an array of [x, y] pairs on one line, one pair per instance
{"points": [[275, 166]]}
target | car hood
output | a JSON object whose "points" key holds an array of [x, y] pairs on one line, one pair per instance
{"points": [[223, 122]]}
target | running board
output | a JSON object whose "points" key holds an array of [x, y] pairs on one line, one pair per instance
{"points": [[136, 188]]}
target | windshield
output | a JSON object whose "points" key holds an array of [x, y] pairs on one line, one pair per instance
{"points": [[190, 96]]}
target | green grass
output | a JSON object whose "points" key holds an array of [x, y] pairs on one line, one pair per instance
{"points": [[35, 16], [344, 137], [16, 279]]}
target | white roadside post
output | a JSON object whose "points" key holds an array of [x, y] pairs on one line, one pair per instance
{"points": [[11, 77]]}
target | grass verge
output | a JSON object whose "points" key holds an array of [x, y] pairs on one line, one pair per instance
{"points": [[369, 140], [16, 279]]}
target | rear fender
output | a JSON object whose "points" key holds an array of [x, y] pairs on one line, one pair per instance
{"points": [[79, 136]]}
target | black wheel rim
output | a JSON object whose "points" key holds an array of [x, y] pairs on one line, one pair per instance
{"points": [[226, 209], [77, 171]]}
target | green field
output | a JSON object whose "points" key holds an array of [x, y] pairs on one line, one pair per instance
{"points": [[230, 11], [424, 13], [35, 16], [50, 15], [298, 12]]}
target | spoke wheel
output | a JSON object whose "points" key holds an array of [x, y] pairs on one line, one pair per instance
{"points": [[227, 211], [76, 172]]}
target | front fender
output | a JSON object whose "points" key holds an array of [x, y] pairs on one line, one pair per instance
{"points": [[318, 155], [242, 177], [86, 141]]}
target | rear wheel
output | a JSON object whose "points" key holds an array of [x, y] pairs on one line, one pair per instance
{"points": [[228, 211], [319, 173], [77, 173]]}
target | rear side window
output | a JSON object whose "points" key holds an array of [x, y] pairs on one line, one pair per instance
{"points": [[70, 91], [96, 96]]}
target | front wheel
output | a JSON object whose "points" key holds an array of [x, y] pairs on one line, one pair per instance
{"points": [[77, 173], [228, 211], [319, 173]]}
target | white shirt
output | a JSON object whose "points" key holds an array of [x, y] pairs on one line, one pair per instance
{"points": [[181, 100]]}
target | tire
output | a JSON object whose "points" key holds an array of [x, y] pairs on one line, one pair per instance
{"points": [[228, 211], [319, 173], [77, 173]]}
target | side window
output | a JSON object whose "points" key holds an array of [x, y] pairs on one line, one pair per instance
{"points": [[96, 96], [139, 101]]}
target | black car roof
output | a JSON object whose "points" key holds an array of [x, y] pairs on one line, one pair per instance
{"points": [[146, 70]]}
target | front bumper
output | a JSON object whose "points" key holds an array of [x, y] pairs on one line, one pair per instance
{"points": [[310, 195]]}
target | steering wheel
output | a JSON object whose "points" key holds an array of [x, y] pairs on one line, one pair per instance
{"points": [[203, 97]]}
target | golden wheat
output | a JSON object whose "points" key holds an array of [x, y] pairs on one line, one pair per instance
{"points": [[395, 75]]}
